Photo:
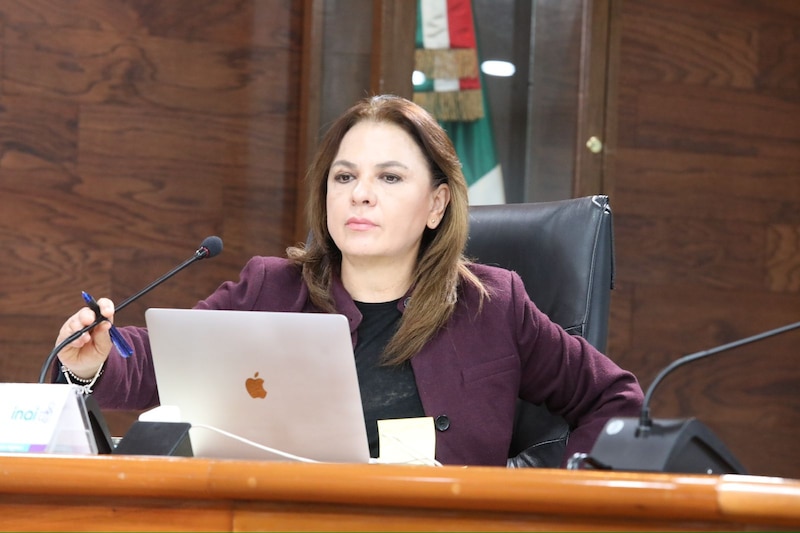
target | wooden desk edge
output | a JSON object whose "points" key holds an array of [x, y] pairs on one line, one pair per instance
{"points": [[725, 499]]}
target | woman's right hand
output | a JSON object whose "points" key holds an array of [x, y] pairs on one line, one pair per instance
{"points": [[86, 354]]}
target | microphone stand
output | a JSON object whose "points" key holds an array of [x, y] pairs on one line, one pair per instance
{"points": [[201, 253], [645, 422], [673, 445]]}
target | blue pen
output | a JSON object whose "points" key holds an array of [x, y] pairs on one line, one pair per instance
{"points": [[122, 346]]}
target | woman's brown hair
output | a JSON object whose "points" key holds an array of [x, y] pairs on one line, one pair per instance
{"points": [[441, 265]]}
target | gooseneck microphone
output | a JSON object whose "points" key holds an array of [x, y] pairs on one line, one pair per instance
{"points": [[676, 445], [210, 247], [645, 423]]}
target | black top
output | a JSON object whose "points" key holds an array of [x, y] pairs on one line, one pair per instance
{"points": [[387, 392]]}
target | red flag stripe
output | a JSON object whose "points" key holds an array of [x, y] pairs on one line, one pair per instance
{"points": [[460, 23]]}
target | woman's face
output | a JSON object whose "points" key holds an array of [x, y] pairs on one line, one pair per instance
{"points": [[380, 196]]}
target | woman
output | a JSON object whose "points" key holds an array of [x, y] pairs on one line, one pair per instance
{"points": [[434, 335]]}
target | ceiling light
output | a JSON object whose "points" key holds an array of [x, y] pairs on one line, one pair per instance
{"points": [[503, 69]]}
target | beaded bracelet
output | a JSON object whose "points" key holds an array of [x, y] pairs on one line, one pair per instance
{"points": [[85, 384]]}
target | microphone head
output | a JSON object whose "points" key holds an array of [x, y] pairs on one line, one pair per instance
{"points": [[210, 247]]}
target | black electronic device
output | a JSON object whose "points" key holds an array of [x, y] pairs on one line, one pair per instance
{"points": [[666, 445]]}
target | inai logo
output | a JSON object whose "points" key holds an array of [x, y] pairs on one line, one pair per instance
{"points": [[36, 413]]}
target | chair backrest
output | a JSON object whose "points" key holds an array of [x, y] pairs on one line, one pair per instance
{"points": [[564, 253]]}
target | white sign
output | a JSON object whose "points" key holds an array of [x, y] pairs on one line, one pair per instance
{"points": [[44, 418]]}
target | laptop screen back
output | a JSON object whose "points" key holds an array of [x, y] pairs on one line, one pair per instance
{"points": [[286, 381]]}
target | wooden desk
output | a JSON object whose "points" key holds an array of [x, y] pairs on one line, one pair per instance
{"points": [[172, 494]]}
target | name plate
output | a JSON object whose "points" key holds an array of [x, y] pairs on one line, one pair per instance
{"points": [[44, 418]]}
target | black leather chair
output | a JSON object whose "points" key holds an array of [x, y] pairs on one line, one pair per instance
{"points": [[564, 252]]}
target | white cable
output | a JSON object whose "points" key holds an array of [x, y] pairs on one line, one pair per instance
{"points": [[415, 459], [256, 445], [424, 462]]}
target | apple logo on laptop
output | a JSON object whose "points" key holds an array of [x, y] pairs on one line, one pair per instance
{"points": [[255, 386]]}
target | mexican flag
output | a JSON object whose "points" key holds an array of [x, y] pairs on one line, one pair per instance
{"points": [[447, 56]]}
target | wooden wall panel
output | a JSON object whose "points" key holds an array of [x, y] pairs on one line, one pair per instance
{"points": [[129, 131], [706, 195], [346, 59], [554, 82]]}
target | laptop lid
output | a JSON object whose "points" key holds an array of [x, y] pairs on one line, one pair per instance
{"points": [[286, 381]]}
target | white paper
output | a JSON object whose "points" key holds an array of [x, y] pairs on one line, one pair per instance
{"points": [[407, 441]]}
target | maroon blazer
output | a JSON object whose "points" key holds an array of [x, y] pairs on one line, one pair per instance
{"points": [[468, 376]]}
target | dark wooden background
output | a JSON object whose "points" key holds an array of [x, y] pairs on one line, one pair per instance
{"points": [[131, 129], [705, 186]]}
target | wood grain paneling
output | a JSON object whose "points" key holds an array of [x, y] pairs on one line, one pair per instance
{"points": [[555, 85], [394, 28], [130, 130], [706, 195], [346, 59]]}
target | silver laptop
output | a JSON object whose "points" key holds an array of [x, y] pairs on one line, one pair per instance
{"points": [[261, 385]]}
